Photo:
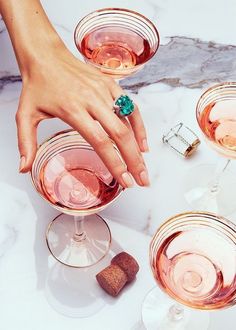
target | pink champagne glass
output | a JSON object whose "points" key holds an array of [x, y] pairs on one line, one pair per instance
{"points": [[117, 41], [193, 260], [212, 187], [70, 176]]}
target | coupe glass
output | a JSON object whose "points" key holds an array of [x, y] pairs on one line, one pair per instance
{"points": [[193, 259], [69, 175], [117, 41], [210, 187]]}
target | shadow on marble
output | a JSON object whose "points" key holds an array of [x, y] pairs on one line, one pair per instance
{"points": [[138, 326], [74, 292]]}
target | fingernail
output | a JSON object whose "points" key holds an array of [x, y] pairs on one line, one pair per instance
{"points": [[145, 145], [22, 163], [144, 178], [127, 179]]}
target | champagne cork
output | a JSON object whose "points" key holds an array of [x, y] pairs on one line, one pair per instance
{"points": [[122, 270], [127, 263]]}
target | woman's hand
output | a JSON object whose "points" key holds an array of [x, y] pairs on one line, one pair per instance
{"points": [[64, 87], [56, 84]]}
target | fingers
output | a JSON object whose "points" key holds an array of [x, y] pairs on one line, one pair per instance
{"points": [[27, 140], [135, 119], [115, 89], [82, 122], [103, 92], [137, 124], [125, 141]]}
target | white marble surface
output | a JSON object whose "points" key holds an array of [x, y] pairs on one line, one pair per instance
{"points": [[198, 48]]}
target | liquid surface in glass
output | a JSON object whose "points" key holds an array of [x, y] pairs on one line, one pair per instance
{"points": [[115, 47], [77, 179], [218, 122], [198, 268]]}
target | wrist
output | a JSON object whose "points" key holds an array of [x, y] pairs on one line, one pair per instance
{"points": [[43, 52], [33, 37]]}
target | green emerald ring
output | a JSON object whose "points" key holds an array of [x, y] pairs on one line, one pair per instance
{"points": [[123, 106]]}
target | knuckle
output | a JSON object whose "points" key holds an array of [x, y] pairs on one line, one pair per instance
{"points": [[101, 141], [101, 83], [88, 93], [97, 84], [136, 108], [20, 116], [84, 89], [17, 117], [143, 132], [65, 109], [72, 108], [123, 133], [109, 81], [139, 126], [136, 168], [118, 168]]}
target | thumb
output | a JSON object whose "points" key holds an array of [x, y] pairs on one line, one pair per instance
{"points": [[27, 141]]}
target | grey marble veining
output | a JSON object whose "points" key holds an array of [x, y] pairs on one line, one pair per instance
{"points": [[2, 26], [8, 80], [187, 62]]}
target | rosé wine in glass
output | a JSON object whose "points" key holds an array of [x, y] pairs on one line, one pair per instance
{"points": [[73, 185], [117, 41], [218, 122], [69, 175], [193, 259], [210, 187]]}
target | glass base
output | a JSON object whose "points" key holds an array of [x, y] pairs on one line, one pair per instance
{"points": [[74, 292], [198, 184], [66, 248], [156, 314]]}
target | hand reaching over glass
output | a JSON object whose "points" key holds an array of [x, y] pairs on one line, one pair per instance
{"points": [[56, 84]]}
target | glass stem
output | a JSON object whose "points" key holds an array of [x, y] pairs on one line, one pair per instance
{"points": [[220, 169], [176, 313], [80, 233]]}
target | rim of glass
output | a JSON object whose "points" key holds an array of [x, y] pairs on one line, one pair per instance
{"points": [[208, 92], [124, 10], [202, 218], [73, 212], [228, 229]]}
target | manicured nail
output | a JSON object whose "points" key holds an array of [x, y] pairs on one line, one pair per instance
{"points": [[144, 178], [127, 179], [145, 145], [22, 163]]}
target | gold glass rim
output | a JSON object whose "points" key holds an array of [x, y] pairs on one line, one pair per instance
{"points": [[209, 90], [124, 10], [167, 228], [203, 214], [69, 211]]}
